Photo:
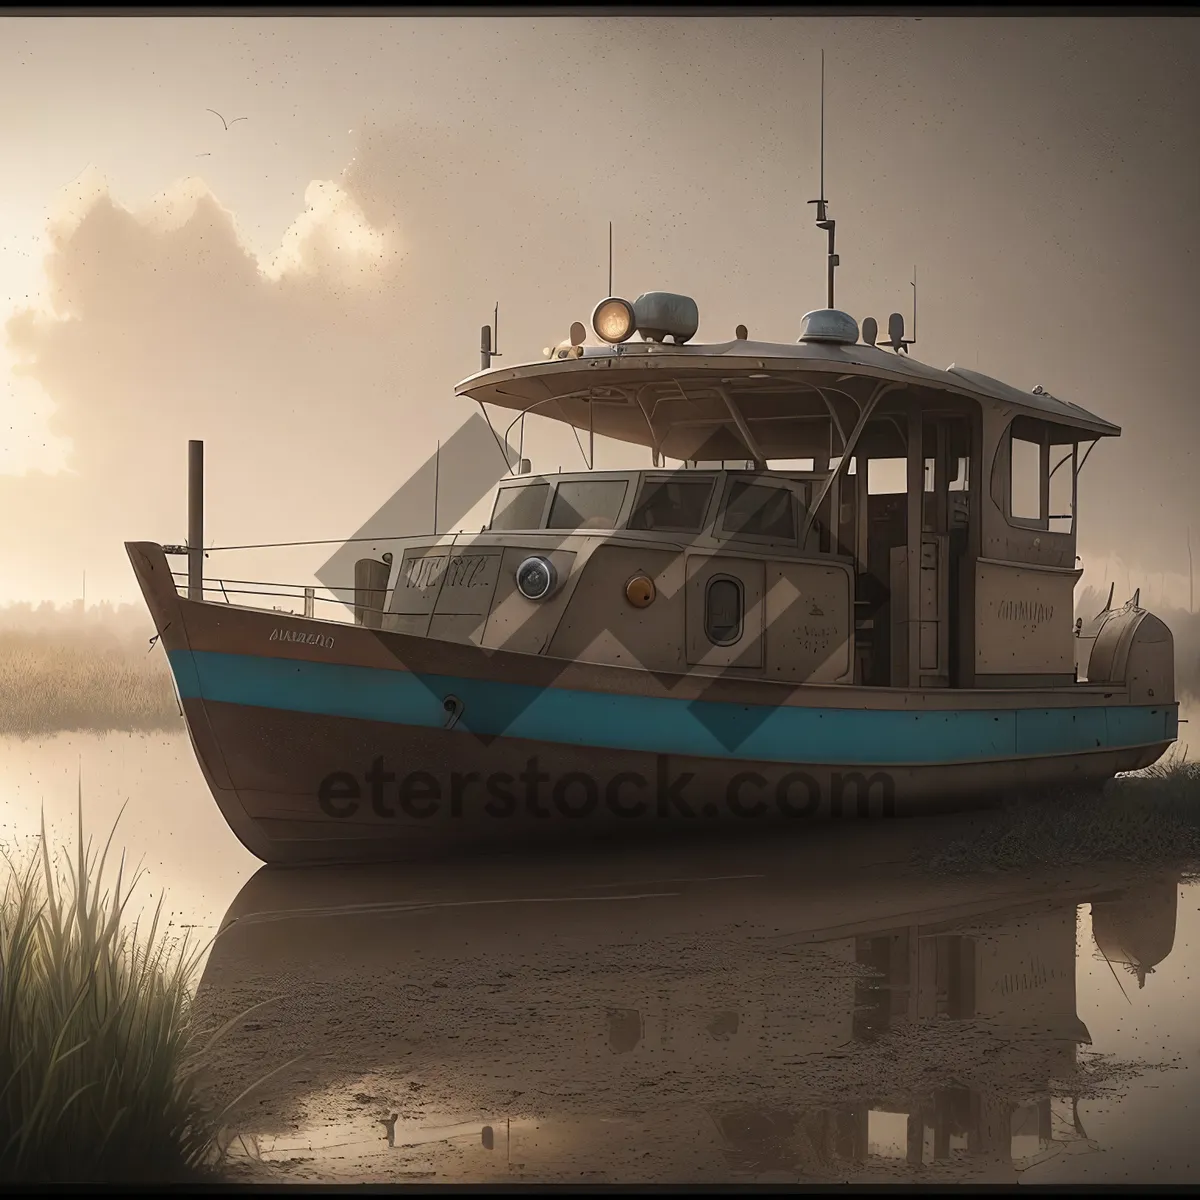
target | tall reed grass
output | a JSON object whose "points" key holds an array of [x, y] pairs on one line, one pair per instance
{"points": [[100, 1062], [69, 680]]}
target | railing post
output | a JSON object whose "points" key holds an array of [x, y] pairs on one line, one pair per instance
{"points": [[195, 520]]}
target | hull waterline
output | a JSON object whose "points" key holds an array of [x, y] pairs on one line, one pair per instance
{"points": [[329, 742]]}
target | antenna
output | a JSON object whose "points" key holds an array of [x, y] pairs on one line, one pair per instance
{"points": [[489, 339], [610, 291], [913, 340], [896, 338], [437, 463], [822, 126], [823, 221]]}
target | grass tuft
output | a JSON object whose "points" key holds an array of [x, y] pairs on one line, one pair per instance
{"points": [[99, 1058], [1147, 818]]}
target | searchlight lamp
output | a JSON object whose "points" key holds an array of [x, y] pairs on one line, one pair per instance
{"points": [[613, 320]]}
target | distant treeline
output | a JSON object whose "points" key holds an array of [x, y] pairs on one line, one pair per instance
{"points": [[107, 622]]}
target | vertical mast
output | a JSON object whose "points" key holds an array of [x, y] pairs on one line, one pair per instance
{"points": [[823, 220]]}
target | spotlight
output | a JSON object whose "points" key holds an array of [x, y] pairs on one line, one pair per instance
{"points": [[613, 320]]}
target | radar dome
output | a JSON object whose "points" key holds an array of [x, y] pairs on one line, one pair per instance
{"points": [[659, 315], [829, 325]]}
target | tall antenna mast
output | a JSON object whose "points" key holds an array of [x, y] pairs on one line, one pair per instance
{"points": [[823, 221], [610, 291]]}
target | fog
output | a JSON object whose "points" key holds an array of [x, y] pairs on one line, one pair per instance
{"points": [[303, 289]]}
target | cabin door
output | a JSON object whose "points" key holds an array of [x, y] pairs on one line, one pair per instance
{"points": [[723, 611], [922, 568]]}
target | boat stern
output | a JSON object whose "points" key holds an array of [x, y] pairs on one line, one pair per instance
{"points": [[1135, 651]]}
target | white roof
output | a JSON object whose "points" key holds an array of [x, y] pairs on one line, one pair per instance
{"points": [[525, 385]]}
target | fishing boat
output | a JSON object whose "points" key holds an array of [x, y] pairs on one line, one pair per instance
{"points": [[760, 624]]}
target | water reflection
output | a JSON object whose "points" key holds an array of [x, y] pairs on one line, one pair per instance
{"points": [[1137, 932], [778, 1016]]}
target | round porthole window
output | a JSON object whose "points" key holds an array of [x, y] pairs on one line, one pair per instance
{"points": [[536, 578]]}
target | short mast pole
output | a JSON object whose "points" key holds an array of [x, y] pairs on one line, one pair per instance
{"points": [[195, 520]]}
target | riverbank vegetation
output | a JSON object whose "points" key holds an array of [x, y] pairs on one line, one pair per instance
{"points": [[70, 669], [98, 1058], [1147, 819]]}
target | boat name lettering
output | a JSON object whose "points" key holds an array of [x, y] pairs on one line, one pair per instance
{"points": [[421, 571], [1024, 612], [815, 638], [297, 635], [467, 570]]}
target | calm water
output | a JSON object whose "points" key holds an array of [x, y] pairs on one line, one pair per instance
{"points": [[774, 1012], [170, 824]]}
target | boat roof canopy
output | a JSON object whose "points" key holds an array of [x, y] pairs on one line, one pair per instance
{"points": [[703, 402]]}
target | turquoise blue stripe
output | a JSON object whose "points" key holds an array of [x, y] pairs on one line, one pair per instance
{"points": [[858, 737]]}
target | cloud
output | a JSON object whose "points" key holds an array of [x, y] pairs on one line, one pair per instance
{"points": [[332, 238], [319, 374], [165, 319]]}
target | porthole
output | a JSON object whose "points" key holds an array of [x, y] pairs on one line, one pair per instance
{"points": [[536, 578], [723, 610]]}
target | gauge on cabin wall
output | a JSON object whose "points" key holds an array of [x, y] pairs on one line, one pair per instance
{"points": [[536, 578], [640, 591]]}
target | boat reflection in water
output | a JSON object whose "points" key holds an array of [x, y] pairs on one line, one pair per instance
{"points": [[772, 1014]]}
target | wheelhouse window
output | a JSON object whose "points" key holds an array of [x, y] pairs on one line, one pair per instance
{"points": [[520, 506], [672, 505], [1025, 479], [1042, 469], [587, 504], [887, 476], [723, 610], [760, 510], [962, 476]]}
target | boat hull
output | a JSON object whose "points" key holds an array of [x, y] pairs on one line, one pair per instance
{"points": [[329, 742]]}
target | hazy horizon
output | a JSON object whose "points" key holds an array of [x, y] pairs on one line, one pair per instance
{"points": [[303, 289]]}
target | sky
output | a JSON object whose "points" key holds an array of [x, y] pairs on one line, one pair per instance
{"points": [[303, 289]]}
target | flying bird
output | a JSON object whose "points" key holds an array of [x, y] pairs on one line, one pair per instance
{"points": [[222, 119]]}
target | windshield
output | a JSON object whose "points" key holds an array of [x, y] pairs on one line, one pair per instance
{"points": [[672, 505], [587, 504], [520, 506]]}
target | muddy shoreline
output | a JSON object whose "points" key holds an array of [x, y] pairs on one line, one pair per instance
{"points": [[628, 1017]]}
